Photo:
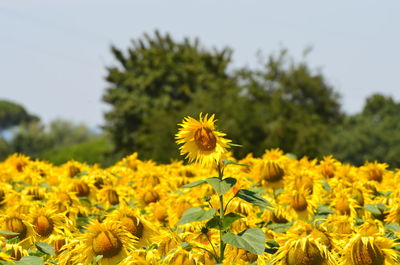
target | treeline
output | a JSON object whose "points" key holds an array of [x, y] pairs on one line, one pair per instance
{"points": [[280, 104]]}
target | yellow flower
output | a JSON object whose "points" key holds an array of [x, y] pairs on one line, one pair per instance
{"points": [[200, 141]]}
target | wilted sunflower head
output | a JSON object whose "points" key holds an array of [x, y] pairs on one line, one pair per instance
{"points": [[304, 251], [109, 239], [200, 140], [369, 250]]}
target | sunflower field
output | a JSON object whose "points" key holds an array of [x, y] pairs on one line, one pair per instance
{"points": [[273, 209]]}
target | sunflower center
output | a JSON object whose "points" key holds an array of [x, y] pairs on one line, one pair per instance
{"points": [[43, 226], [133, 225], [106, 244], [367, 254], [272, 171], [205, 139], [299, 202], [58, 244], [82, 189], [14, 224], [112, 197], [310, 255], [151, 196]]}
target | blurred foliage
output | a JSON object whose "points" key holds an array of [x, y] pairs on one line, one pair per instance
{"points": [[92, 151], [158, 81], [58, 142], [13, 114], [373, 134]]}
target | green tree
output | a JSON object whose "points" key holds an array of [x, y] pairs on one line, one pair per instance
{"points": [[159, 80], [370, 135], [13, 114], [289, 106]]}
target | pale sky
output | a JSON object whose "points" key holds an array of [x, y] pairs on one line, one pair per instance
{"points": [[53, 54]]}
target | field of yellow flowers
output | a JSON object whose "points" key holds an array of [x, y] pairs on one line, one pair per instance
{"points": [[273, 209], [322, 212]]}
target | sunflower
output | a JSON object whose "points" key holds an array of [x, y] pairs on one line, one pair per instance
{"points": [[367, 250], [200, 141], [109, 239], [300, 250]]}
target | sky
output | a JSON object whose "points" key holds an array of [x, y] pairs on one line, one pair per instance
{"points": [[54, 54]]}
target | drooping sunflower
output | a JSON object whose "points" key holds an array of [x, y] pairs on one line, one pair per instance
{"points": [[366, 250], [200, 140], [109, 239]]}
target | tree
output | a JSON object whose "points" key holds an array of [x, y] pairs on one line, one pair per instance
{"points": [[289, 106], [157, 82], [13, 114], [373, 134]]}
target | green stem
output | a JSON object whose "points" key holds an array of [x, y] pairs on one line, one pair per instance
{"points": [[221, 216], [212, 254]]}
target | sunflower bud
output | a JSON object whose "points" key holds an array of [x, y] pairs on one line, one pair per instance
{"points": [[73, 170]]}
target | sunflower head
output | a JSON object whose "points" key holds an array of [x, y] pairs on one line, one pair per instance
{"points": [[201, 142]]}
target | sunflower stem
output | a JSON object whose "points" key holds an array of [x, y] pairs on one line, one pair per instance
{"points": [[221, 216]]}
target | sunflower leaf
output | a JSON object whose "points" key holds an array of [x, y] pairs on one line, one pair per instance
{"points": [[254, 198], [5, 232], [98, 258], [235, 145], [214, 222], [392, 227], [194, 184], [252, 240], [196, 214], [221, 186], [230, 162], [45, 248], [229, 219], [373, 209], [279, 228], [30, 260]]}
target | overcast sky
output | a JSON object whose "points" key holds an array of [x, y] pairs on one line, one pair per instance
{"points": [[53, 56]]}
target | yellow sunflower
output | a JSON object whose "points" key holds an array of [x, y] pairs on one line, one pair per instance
{"points": [[109, 240], [200, 140]]}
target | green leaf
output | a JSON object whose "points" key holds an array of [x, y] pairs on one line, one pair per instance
{"points": [[45, 248], [358, 221], [45, 185], [221, 186], [252, 240], [196, 214], [279, 228], [98, 258], [30, 260], [235, 145], [229, 219], [214, 222], [393, 227], [326, 186], [373, 209], [5, 232], [194, 184], [324, 210], [254, 198], [185, 245], [230, 162]]}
